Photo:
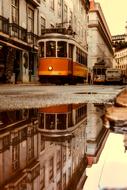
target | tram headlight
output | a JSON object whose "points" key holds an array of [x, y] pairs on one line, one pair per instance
{"points": [[50, 68]]}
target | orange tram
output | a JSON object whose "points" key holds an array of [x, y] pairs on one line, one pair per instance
{"points": [[61, 60]]}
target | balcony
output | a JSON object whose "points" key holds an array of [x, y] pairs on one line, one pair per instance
{"points": [[18, 32], [32, 38], [4, 25], [35, 3]]}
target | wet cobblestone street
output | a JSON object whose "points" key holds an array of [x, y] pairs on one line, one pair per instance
{"points": [[33, 96]]}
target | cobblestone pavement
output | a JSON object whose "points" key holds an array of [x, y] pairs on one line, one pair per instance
{"points": [[35, 96]]}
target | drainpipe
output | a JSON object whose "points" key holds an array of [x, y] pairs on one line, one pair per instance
{"points": [[2, 8], [62, 12]]}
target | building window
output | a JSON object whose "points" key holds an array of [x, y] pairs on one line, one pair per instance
{"points": [[42, 177], [23, 134], [51, 166], [59, 8], [65, 13], [42, 143], [15, 157], [30, 20], [52, 4], [64, 180], [30, 148], [43, 24], [70, 19], [5, 142], [15, 11], [58, 160], [64, 154]]}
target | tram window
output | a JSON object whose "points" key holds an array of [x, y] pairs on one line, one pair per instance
{"points": [[85, 59], [50, 121], [62, 49], [103, 71], [77, 54], [51, 49], [99, 72], [61, 121], [94, 71], [81, 57], [41, 49], [70, 51]]}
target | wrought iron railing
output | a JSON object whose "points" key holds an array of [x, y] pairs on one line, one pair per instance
{"points": [[4, 25], [32, 38], [18, 32]]}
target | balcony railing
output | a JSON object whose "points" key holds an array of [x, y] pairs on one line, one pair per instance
{"points": [[18, 32], [4, 25], [32, 38]]}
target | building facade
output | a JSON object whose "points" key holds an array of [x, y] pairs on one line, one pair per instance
{"points": [[18, 40], [121, 60], [19, 165], [99, 37], [96, 132], [21, 25]]}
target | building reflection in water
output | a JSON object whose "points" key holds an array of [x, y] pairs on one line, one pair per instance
{"points": [[47, 148], [96, 133], [19, 165]]}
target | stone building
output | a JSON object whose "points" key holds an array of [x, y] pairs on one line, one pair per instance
{"points": [[19, 31], [21, 25], [120, 51], [19, 165], [121, 60], [99, 37], [96, 132]]}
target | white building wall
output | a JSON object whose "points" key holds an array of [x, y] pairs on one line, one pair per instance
{"points": [[22, 15], [94, 122], [1, 7], [79, 17], [94, 127], [97, 47], [6, 8]]}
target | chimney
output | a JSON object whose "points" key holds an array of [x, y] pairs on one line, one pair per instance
{"points": [[92, 5]]}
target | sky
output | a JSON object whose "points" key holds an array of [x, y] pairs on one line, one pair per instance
{"points": [[115, 12]]}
